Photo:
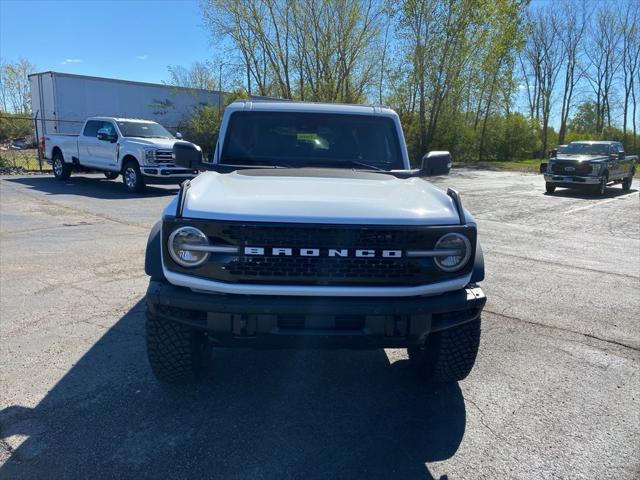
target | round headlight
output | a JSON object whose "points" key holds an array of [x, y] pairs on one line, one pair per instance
{"points": [[458, 251], [185, 247]]}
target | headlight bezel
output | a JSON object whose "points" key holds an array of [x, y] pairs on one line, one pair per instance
{"points": [[465, 258], [176, 257], [150, 155], [595, 168]]}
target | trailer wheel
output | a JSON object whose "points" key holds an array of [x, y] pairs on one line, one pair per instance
{"points": [[132, 177], [111, 175], [61, 170]]}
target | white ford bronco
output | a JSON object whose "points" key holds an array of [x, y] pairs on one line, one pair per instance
{"points": [[140, 150], [309, 229]]}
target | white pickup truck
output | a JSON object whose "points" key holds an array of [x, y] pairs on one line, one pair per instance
{"points": [[140, 150]]}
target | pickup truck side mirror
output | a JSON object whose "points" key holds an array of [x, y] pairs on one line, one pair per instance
{"points": [[187, 155], [435, 163], [178, 135], [106, 136]]}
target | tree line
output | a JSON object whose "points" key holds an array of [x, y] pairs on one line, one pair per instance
{"points": [[485, 79]]}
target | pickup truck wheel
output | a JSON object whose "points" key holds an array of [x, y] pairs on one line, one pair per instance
{"points": [[132, 177], [626, 183], [601, 188], [111, 175], [176, 353], [61, 170], [550, 187], [448, 355]]}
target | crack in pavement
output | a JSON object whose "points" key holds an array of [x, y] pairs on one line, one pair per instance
{"points": [[567, 330]]}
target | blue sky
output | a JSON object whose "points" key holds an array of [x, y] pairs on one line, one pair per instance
{"points": [[128, 39]]}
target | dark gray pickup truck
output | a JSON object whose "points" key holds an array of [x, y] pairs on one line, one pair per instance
{"points": [[589, 164]]}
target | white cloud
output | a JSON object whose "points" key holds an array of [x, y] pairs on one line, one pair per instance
{"points": [[142, 57], [71, 60]]}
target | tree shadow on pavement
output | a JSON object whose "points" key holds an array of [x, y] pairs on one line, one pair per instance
{"points": [[257, 414], [94, 187]]}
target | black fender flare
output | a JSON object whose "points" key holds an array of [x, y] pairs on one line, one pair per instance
{"points": [[153, 254], [477, 275]]}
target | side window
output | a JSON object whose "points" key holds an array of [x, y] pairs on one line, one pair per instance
{"points": [[91, 128]]}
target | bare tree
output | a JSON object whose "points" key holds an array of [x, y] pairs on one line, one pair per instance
{"points": [[15, 95], [541, 62], [571, 30], [603, 61], [200, 75], [630, 61]]}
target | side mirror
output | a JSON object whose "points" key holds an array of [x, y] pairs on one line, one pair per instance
{"points": [[187, 155], [553, 153], [543, 167], [178, 135], [106, 136], [435, 163]]}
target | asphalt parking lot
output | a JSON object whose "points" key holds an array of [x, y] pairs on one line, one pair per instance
{"points": [[555, 392]]}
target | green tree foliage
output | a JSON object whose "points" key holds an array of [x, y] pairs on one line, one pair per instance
{"points": [[202, 125], [14, 126], [458, 72]]}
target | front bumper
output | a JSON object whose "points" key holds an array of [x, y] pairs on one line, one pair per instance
{"points": [[319, 322], [571, 181], [158, 174]]}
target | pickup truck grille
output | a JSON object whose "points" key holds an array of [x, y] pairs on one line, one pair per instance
{"points": [[322, 269], [570, 168], [164, 157]]}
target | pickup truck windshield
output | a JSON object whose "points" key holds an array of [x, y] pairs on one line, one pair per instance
{"points": [[586, 149], [143, 130], [297, 139]]}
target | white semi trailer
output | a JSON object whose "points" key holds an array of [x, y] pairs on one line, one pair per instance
{"points": [[61, 102]]}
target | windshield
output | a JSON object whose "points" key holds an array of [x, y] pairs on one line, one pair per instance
{"points": [[143, 130], [586, 149], [297, 139]]}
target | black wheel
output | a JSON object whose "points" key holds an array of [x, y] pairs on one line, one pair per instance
{"points": [[111, 175], [449, 355], [626, 183], [550, 187], [601, 188], [132, 177], [176, 353], [61, 170]]}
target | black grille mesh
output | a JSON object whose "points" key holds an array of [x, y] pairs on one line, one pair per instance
{"points": [[581, 168]]}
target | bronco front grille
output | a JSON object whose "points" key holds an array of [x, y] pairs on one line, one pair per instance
{"points": [[322, 269]]}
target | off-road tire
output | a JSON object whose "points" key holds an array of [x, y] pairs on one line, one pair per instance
{"points": [[626, 183], [111, 175], [132, 177], [601, 188], [449, 355], [177, 353], [61, 170], [549, 187]]}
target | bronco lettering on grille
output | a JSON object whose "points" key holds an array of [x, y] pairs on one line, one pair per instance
{"points": [[321, 252]]}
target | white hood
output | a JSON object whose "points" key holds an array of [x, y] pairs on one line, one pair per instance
{"points": [[317, 196], [162, 143]]}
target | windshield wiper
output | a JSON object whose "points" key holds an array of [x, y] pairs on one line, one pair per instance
{"points": [[345, 161], [250, 162]]}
